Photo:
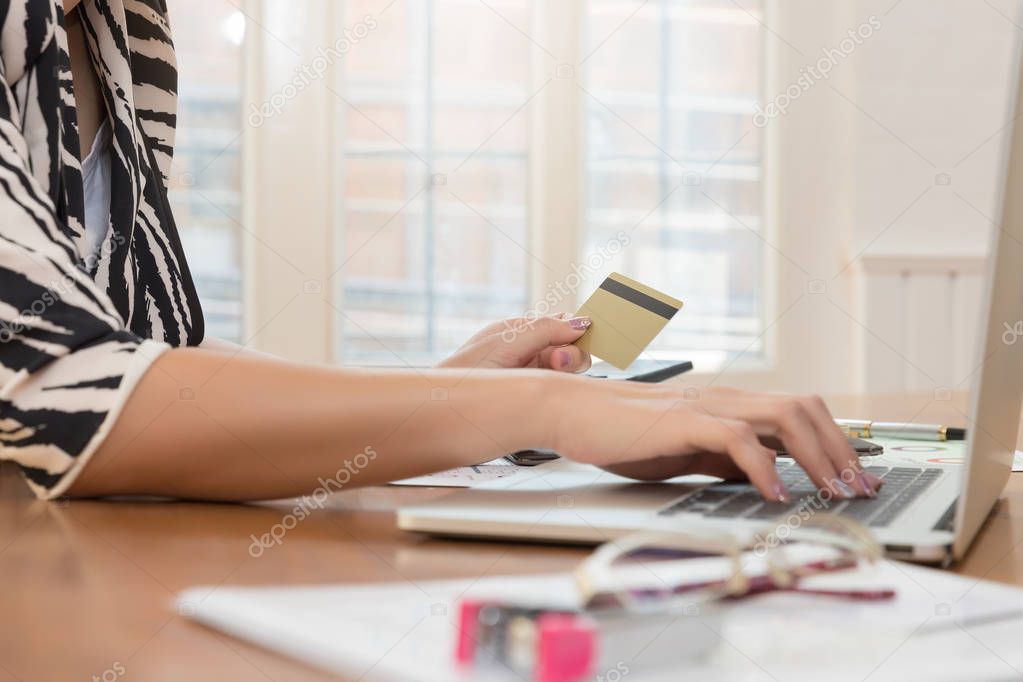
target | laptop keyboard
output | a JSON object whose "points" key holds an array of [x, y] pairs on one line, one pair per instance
{"points": [[902, 485]]}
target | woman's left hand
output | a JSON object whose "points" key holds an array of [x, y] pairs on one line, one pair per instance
{"points": [[543, 342]]}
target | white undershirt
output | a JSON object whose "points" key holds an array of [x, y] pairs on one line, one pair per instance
{"points": [[96, 184]]}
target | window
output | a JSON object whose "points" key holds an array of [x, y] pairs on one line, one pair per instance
{"points": [[435, 241], [439, 100], [675, 161], [205, 182]]}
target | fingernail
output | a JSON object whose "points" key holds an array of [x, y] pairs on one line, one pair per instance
{"points": [[579, 322], [561, 359], [780, 493], [844, 490], [867, 485], [874, 481]]}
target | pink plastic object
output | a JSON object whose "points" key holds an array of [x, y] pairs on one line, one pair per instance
{"points": [[468, 617], [566, 648]]}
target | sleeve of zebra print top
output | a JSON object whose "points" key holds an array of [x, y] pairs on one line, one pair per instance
{"points": [[67, 363]]}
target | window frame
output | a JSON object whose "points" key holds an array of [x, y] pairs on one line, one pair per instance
{"points": [[743, 369], [293, 247]]}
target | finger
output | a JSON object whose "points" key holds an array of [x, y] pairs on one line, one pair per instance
{"points": [[517, 342], [785, 420], [842, 454], [537, 335], [565, 359], [739, 441], [511, 325], [834, 445], [800, 438]]}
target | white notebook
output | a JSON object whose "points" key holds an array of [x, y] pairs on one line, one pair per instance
{"points": [[940, 627]]}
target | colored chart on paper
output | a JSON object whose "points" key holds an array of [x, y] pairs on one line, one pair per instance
{"points": [[902, 452]]}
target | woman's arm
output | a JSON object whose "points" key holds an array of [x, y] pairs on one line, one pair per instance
{"points": [[226, 422], [204, 425]]}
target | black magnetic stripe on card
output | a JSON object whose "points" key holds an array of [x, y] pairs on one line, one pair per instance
{"points": [[639, 298]]}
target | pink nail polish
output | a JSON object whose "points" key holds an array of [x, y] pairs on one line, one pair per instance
{"points": [[780, 493], [874, 481], [561, 359], [867, 485], [844, 491], [580, 322]]}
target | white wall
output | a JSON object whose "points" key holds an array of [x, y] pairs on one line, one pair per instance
{"points": [[887, 187], [934, 83], [934, 79]]}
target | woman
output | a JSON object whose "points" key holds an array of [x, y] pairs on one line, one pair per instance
{"points": [[108, 386]]}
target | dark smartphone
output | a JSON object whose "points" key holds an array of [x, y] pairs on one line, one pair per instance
{"points": [[646, 371], [661, 373], [863, 448]]}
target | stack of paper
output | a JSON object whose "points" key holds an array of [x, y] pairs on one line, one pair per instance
{"points": [[939, 627]]}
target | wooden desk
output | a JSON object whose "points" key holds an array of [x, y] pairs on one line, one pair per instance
{"points": [[86, 587]]}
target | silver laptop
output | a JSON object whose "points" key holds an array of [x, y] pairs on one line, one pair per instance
{"points": [[924, 514]]}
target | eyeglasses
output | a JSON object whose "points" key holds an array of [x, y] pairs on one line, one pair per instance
{"points": [[661, 570]]}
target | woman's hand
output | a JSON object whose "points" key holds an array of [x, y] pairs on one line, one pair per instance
{"points": [[542, 342], [654, 433]]}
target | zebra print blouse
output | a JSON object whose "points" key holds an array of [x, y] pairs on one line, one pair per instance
{"points": [[77, 333]]}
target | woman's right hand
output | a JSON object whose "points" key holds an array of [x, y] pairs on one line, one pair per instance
{"points": [[658, 432]]}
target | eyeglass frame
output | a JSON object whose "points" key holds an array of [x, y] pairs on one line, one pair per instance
{"points": [[855, 544]]}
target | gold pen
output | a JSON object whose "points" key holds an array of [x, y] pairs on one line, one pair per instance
{"points": [[865, 428]]}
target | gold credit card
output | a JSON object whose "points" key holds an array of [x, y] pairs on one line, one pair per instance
{"points": [[626, 317]]}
